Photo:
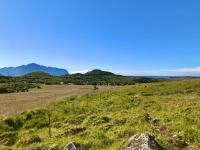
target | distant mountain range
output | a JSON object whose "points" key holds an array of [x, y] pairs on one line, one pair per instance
{"points": [[33, 67]]}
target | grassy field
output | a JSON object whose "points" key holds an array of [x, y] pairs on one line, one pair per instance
{"points": [[13, 103], [106, 118]]}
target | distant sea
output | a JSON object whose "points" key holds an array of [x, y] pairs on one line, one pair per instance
{"points": [[167, 77]]}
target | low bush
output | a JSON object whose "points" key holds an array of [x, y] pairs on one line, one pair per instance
{"points": [[14, 123]]}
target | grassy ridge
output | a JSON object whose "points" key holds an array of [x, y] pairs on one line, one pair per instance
{"points": [[105, 119]]}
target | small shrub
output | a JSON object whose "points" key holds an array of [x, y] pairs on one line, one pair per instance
{"points": [[28, 116], [9, 122], [14, 123], [72, 98]]}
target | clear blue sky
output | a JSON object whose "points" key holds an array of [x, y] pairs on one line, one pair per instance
{"points": [[126, 36]]}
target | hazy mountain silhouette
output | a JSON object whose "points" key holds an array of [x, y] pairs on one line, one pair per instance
{"points": [[33, 67]]}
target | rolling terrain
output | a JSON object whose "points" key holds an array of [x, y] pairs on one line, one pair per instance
{"points": [[106, 118], [32, 80]]}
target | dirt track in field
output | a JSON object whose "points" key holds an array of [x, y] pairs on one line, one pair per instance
{"points": [[15, 103]]}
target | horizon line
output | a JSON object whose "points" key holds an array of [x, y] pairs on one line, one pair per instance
{"points": [[182, 72]]}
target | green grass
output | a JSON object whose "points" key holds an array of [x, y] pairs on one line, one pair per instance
{"points": [[106, 119]]}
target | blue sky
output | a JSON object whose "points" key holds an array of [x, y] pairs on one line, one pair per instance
{"points": [[137, 37]]}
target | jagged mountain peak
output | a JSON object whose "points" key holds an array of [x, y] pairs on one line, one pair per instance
{"points": [[32, 67]]}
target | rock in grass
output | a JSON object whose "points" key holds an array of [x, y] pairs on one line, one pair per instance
{"points": [[142, 141], [70, 146]]}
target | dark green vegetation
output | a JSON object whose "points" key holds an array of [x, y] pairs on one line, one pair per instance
{"points": [[104, 78], [95, 77], [16, 84], [17, 87], [105, 119]]}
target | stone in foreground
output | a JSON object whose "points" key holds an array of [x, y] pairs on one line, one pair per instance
{"points": [[142, 141], [70, 146]]}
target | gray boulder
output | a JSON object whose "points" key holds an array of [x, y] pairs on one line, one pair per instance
{"points": [[70, 146], [142, 141]]}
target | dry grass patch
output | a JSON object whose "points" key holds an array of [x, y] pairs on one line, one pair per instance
{"points": [[15, 103]]}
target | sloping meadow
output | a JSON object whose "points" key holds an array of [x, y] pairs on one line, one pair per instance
{"points": [[105, 119]]}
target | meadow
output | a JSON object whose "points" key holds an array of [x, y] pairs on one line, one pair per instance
{"points": [[15, 103], [104, 119]]}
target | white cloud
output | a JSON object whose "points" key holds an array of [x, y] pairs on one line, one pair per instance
{"points": [[79, 71], [173, 72], [188, 70]]}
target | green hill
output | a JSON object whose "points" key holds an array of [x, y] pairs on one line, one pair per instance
{"points": [[37, 75], [95, 77], [99, 73], [105, 119], [104, 78]]}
